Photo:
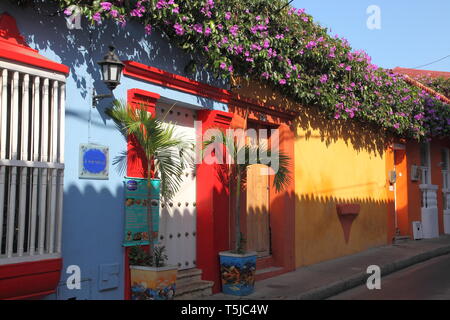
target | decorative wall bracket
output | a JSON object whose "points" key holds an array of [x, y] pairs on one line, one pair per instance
{"points": [[347, 213]]}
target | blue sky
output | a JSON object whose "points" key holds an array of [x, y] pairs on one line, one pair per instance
{"points": [[413, 32]]}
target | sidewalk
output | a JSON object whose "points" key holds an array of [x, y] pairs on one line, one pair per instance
{"points": [[329, 278]]}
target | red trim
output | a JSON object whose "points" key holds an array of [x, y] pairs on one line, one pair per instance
{"points": [[212, 205], [136, 164], [166, 79], [213, 212], [13, 47], [29, 279]]}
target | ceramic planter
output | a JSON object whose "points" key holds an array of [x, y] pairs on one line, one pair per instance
{"points": [[238, 273], [148, 283]]}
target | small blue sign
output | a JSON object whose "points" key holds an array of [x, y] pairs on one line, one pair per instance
{"points": [[132, 185], [94, 161]]}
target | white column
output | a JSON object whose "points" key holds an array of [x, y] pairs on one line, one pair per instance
{"points": [[429, 211], [62, 112], [25, 111], [22, 208], [33, 212], [3, 108], [36, 104]]}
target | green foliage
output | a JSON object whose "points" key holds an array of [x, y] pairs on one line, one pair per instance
{"points": [[288, 50], [240, 156], [167, 154], [139, 257]]}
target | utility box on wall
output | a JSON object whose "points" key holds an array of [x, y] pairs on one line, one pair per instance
{"points": [[417, 230], [415, 173]]}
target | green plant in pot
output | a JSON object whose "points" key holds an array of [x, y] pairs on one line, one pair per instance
{"points": [[165, 155], [238, 266]]}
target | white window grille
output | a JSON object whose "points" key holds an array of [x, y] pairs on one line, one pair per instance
{"points": [[31, 162], [425, 163], [445, 164]]}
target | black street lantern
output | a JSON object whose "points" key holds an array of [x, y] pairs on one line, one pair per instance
{"points": [[111, 71]]}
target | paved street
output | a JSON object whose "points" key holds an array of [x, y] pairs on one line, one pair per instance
{"points": [[424, 281]]}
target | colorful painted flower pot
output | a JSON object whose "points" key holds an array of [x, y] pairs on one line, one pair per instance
{"points": [[238, 273], [148, 283]]}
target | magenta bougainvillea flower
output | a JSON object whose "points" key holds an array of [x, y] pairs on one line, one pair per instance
{"points": [[287, 49], [323, 78], [106, 5], [179, 30], [148, 29]]}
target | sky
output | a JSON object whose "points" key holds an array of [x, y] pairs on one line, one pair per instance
{"points": [[412, 32]]}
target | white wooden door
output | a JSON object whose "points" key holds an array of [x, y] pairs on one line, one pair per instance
{"points": [[178, 218]]}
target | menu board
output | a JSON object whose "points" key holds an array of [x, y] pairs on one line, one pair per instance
{"points": [[136, 201]]}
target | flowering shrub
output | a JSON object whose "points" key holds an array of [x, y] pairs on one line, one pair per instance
{"points": [[288, 50]]}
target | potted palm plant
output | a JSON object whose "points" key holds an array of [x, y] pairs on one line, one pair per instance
{"points": [[165, 155], [238, 266]]}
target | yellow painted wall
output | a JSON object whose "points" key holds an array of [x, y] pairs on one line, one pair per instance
{"points": [[330, 173], [335, 162]]}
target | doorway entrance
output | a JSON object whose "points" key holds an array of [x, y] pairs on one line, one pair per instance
{"points": [[401, 192], [258, 211], [177, 230]]}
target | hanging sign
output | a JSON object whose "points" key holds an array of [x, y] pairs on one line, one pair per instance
{"points": [[93, 162], [136, 202]]}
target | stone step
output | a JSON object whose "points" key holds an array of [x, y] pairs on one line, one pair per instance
{"points": [[267, 270], [401, 239], [194, 290], [188, 276]]}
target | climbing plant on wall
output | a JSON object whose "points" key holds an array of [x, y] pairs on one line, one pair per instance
{"points": [[272, 42]]}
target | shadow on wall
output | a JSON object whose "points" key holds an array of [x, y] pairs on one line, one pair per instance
{"points": [[322, 234], [360, 136], [44, 28], [99, 210]]}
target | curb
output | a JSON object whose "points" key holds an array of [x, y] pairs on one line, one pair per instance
{"points": [[360, 278]]}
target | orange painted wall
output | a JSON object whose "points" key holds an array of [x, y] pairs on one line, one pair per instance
{"points": [[414, 194]]}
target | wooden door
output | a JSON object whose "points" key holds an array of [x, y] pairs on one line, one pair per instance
{"points": [[401, 194], [258, 221], [258, 231]]}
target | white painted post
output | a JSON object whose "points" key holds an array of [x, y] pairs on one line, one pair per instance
{"points": [[59, 216], [62, 111], [23, 171], [35, 157], [22, 206], [44, 172], [36, 112], [25, 111], [32, 233], [44, 124], [51, 220], [59, 209], [14, 132], [3, 108], [42, 209], [54, 122], [11, 212]]}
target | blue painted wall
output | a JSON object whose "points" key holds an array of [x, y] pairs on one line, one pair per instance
{"points": [[93, 209]]}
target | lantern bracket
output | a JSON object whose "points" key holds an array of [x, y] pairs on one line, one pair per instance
{"points": [[97, 97]]}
